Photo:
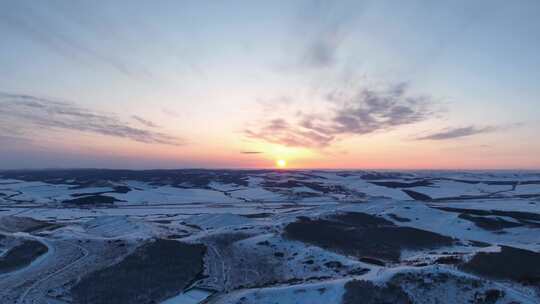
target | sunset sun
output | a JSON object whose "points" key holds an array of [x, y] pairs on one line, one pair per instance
{"points": [[281, 163]]}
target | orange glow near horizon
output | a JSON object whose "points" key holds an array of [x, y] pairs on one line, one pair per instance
{"points": [[369, 154]]}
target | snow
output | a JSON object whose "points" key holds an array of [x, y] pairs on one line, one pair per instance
{"points": [[211, 221], [192, 296], [173, 195], [444, 188], [150, 211], [116, 226], [311, 293], [257, 194], [528, 189]]}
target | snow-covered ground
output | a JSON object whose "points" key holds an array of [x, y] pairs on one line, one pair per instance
{"points": [[90, 222]]}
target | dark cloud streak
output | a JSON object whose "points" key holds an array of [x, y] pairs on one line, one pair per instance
{"points": [[453, 133], [30, 114], [145, 122]]}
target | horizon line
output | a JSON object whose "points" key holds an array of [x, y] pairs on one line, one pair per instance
{"points": [[269, 169]]}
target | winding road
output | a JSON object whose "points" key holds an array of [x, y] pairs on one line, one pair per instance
{"points": [[31, 283], [35, 285]]}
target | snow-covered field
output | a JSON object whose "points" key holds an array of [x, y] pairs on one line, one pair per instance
{"points": [[270, 236]]}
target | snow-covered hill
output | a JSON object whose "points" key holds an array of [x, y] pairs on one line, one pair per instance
{"points": [[269, 236]]}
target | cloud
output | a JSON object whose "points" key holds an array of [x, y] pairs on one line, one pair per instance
{"points": [[320, 31], [351, 106], [170, 112], [45, 29], [279, 131], [6, 141], [321, 51], [251, 152], [270, 105], [144, 122], [29, 114], [359, 112], [452, 133]]}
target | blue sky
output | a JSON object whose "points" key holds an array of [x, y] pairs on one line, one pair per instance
{"points": [[358, 84]]}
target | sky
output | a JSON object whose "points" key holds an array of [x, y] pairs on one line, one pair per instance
{"points": [[245, 84]]}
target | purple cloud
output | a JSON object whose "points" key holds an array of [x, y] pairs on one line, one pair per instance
{"points": [[365, 111]]}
